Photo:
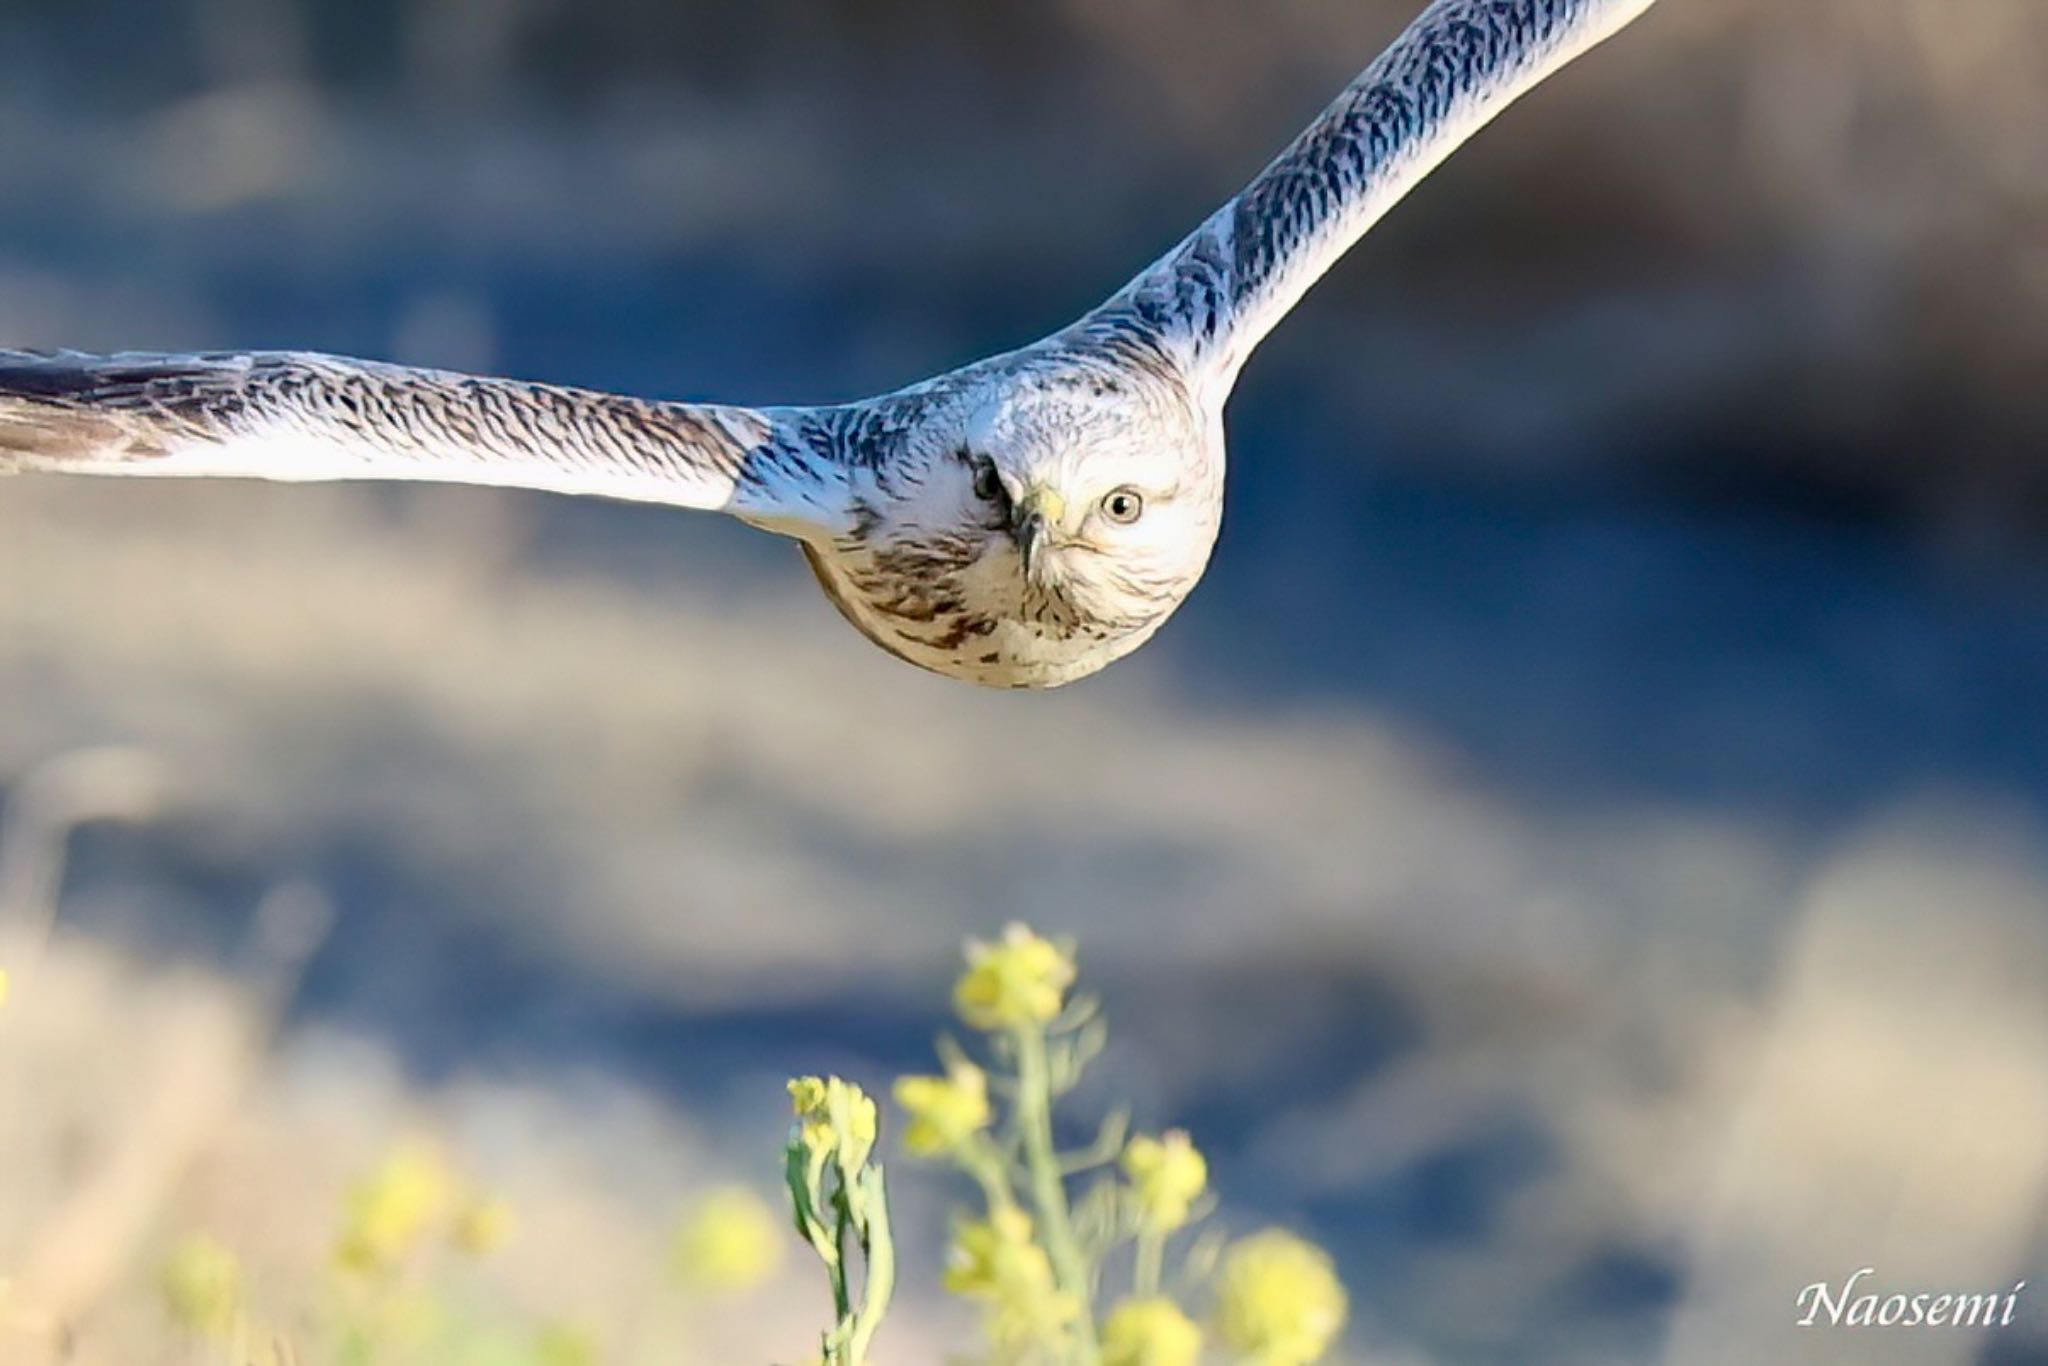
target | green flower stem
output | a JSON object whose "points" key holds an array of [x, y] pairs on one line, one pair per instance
{"points": [[1048, 1190], [981, 1161], [1151, 1257], [804, 1175], [842, 1298], [879, 1249]]}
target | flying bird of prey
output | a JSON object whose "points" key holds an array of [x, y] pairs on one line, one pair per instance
{"points": [[1019, 522]]}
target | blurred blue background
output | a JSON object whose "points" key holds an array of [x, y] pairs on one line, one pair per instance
{"points": [[1580, 853]]}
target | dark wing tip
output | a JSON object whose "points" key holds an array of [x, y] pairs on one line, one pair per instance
{"points": [[48, 410], [43, 374]]}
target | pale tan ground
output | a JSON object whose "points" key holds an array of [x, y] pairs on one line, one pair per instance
{"points": [[1868, 1083]]}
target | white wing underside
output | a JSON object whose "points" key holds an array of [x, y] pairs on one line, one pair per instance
{"points": [[282, 455], [303, 418], [1222, 289]]}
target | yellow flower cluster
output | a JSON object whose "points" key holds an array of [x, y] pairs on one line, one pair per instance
{"points": [[834, 1119], [944, 1111], [995, 1260], [1279, 1301], [1017, 982], [562, 1344], [841, 1207], [731, 1242], [1167, 1176], [403, 1318], [388, 1213], [411, 1194], [1150, 1332], [202, 1286], [483, 1225]]}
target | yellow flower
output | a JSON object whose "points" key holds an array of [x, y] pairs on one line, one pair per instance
{"points": [[408, 1193], [405, 1318], [995, 1261], [202, 1286], [1150, 1332], [1167, 1175], [834, 1118], [732, 1241], [1279, 1300], [944, 1111], [1019, 981], [982, 1252], [561, 1344], [482, 1226], [809, 1098]]}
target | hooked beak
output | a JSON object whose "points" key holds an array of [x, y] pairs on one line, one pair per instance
{"points": [[1039, 513]]}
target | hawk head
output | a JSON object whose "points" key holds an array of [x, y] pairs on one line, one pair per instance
{"points": [[1032, 525]]}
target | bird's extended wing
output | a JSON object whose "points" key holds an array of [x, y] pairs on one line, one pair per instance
{"points": [[1218, 293], [299, 417]]}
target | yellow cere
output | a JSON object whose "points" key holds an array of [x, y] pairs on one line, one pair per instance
{"points": [[1049, 501]]}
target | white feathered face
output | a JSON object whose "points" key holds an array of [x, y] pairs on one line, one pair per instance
{"points": [[1053, 531]]}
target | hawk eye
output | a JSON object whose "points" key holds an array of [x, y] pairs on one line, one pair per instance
{"points": [[987, 486], [1124, 506]]}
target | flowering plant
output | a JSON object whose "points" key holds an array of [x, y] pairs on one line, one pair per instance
{"points": [[1067, 1253]]}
